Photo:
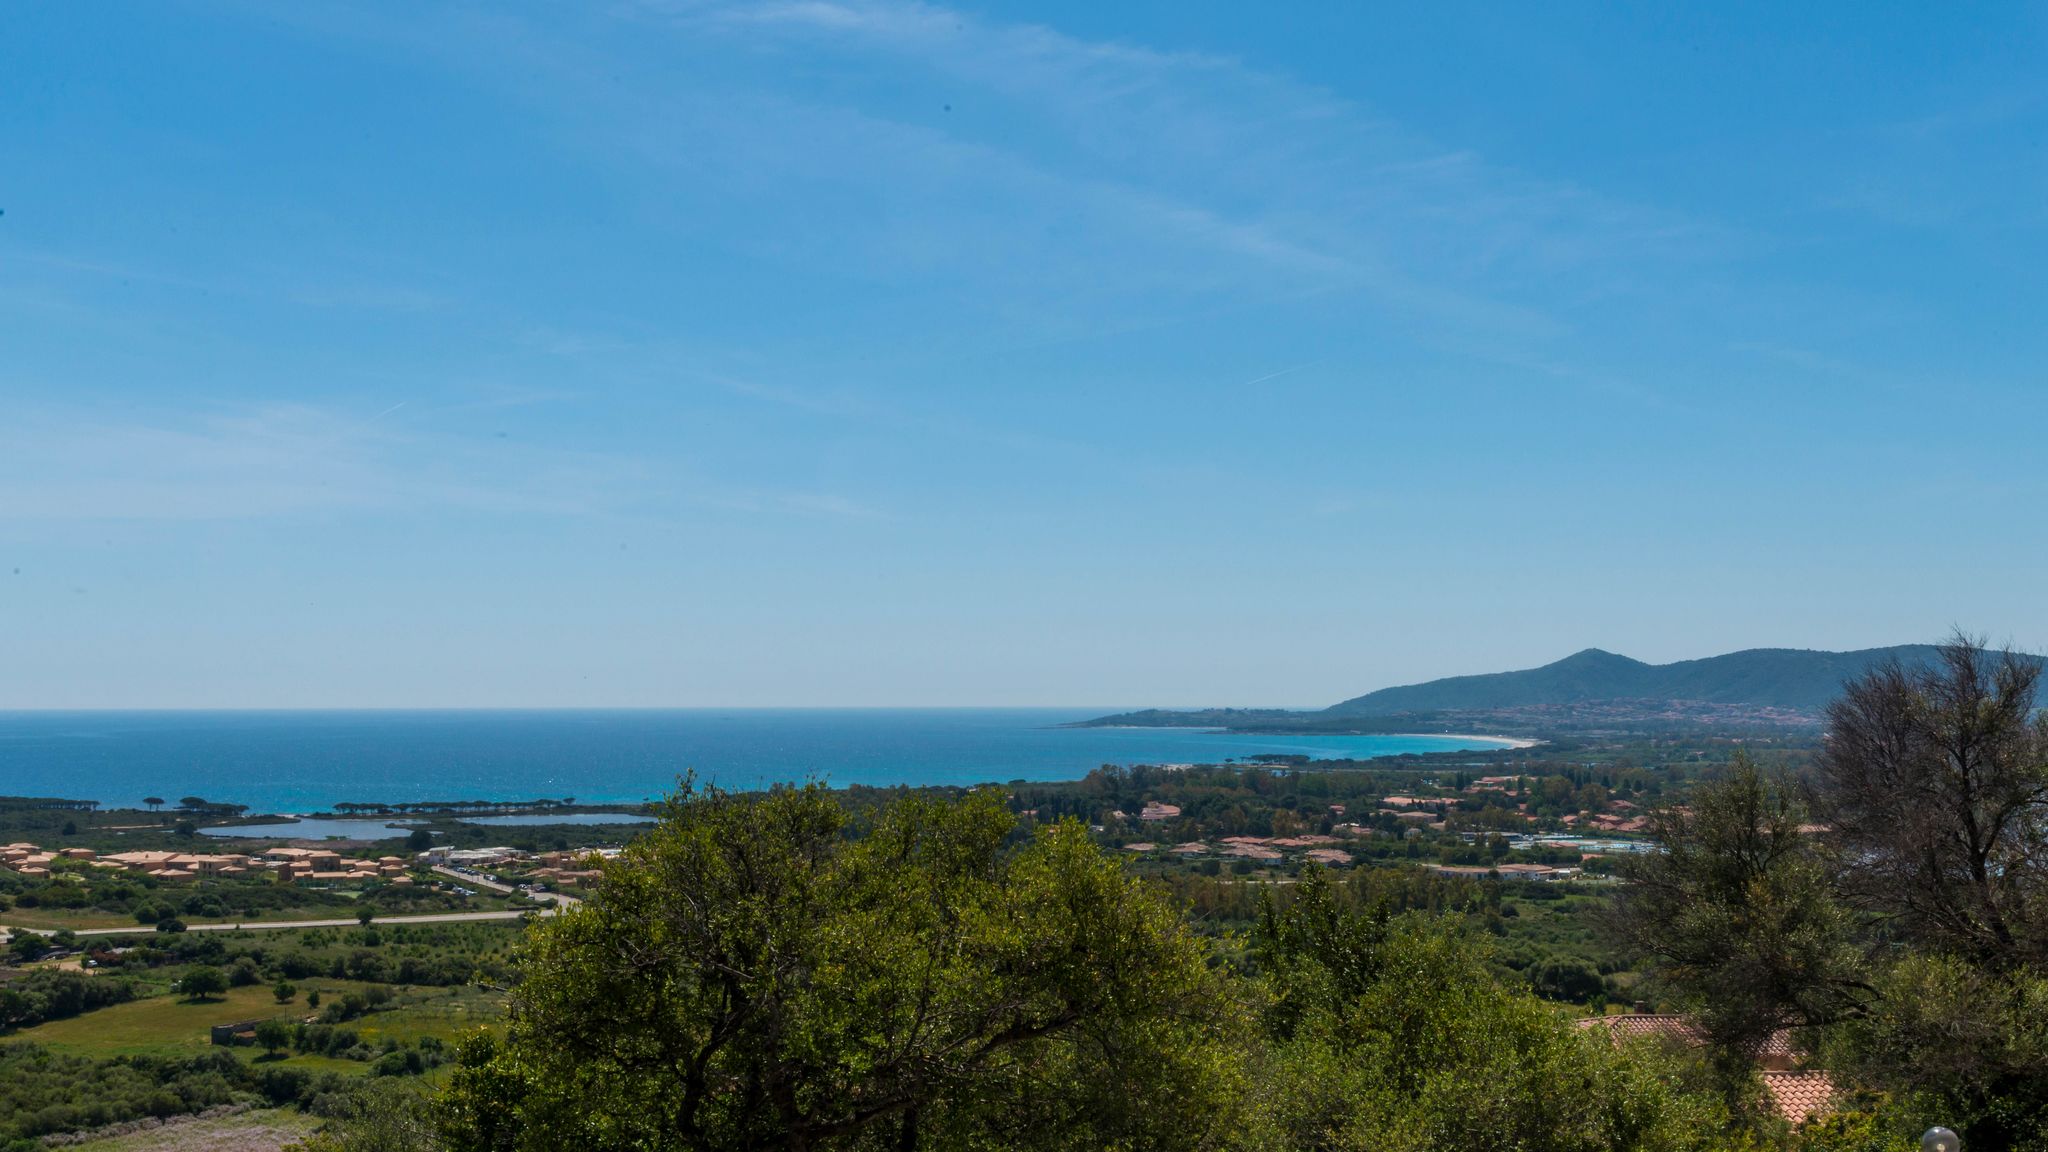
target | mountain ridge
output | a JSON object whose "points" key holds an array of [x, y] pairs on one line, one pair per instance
{"points": [[1589, 688], [1804, 679]]}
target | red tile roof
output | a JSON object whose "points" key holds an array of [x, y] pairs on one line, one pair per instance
{"points": [[1630, 1026], [1800, 1095], [1780, 1052]]}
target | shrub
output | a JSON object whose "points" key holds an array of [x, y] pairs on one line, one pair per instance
{"points": [[202, 982]]}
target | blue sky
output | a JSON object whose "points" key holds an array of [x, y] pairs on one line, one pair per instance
{"points": [[866, 352]]}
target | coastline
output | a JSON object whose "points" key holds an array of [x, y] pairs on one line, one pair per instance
{"points": [[1504, 743], [1512, 743]]}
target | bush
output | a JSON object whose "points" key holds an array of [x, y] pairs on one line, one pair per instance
{"points": [[49, 995], [273, 1034], [1393, 1032], [43, 1093], [202, 982], [1570, 980]]}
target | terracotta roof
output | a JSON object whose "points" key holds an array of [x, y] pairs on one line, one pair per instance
{"points": [[1800, 1095], [1780, 1052], [1190, 848], [1630, 1026]]}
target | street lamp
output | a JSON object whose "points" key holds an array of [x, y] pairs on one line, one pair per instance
{"points": [[1940, 1140]]}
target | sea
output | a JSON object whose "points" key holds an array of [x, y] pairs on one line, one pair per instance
{"points": [[291, 762]]}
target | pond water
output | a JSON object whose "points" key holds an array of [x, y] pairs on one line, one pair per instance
{"points": [[314, 830]]}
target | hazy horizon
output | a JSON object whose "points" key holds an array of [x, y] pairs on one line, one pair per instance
{"points": [[872, 353]]}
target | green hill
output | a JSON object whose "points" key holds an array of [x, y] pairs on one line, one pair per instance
{"points": [[1794, 678]]}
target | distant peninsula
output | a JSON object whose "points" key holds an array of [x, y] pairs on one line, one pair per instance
{"points": [[1592, 689]]}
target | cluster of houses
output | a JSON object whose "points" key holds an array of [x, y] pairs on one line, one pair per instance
{"points": [[1416, 811], [572, 866], [1620, 818], [28, 860], [1414, 814], [1264, 849], [1510, 871], [316, 865]]}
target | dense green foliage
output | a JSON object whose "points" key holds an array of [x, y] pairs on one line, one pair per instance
{"points": [[1904, 936], [52, 995], [64, 1090], [1738, 914], [1392, 1033], [148, 900], [758, 973], [424, 954], [42, 1092], [752, 977]]}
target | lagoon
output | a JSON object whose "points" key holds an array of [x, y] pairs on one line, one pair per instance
{"points": [[312, 830], [321, 829]]}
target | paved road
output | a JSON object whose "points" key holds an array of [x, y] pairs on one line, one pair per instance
{"points": [[262, 925], [559, 899], [562, 898]]}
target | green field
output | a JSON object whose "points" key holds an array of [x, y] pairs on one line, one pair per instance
{"points": [[444, 1013], [173, 1025]]}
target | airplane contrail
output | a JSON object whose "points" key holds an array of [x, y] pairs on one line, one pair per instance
{"points": [[1280, 373], [390, 410]]}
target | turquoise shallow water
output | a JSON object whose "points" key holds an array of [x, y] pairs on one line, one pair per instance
{"points": [[304, 761]]}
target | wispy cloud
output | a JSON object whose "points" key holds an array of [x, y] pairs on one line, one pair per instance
{"points": [[286, 461], [1275, 375], [1066, 185], [271, 460]]}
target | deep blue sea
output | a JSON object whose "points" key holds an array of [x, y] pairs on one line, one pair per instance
{"points": [[304, 761]]}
